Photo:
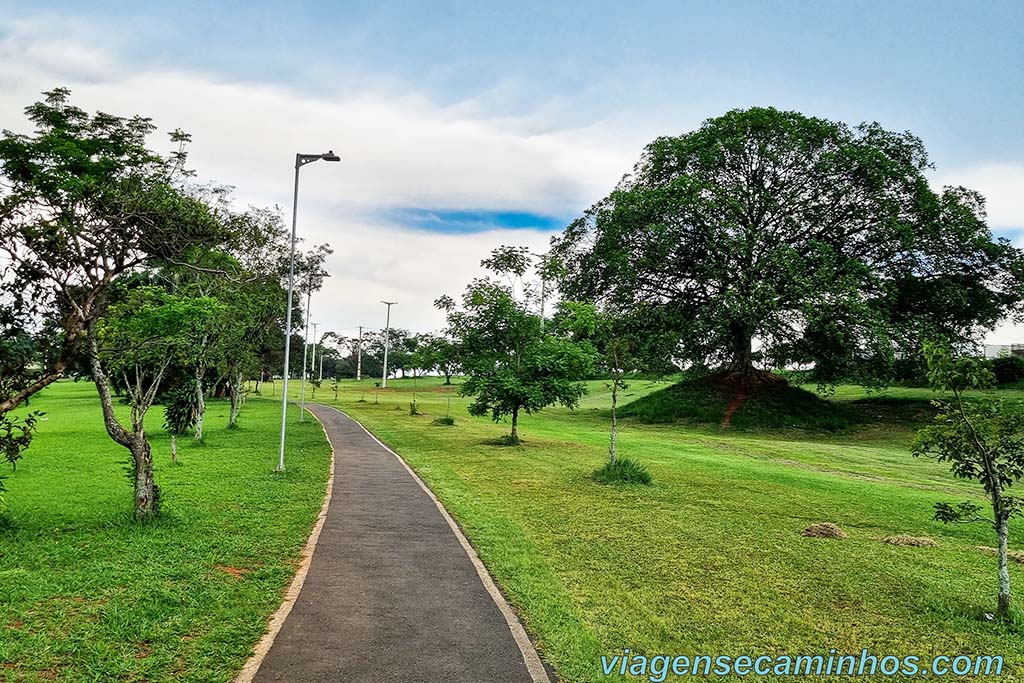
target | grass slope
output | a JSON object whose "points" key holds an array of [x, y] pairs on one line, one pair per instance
{"points": [[705, 402], [87, 595], [710, 558]]}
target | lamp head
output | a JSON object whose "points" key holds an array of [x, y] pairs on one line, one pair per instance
{"points": [[330, 156]]}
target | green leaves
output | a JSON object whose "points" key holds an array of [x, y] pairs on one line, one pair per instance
{"points": [[981, 437], [947, 373], [511, 360], [822, 241], [152, 327]]}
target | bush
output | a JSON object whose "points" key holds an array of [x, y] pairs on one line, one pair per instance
{"points": [[623, 471], [414, 409], [1008, 369], [446, 421]]}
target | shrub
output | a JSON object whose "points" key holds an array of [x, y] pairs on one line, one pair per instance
{"points": [[623, 471], [1008, 369], [446, 421], [413, 409]]}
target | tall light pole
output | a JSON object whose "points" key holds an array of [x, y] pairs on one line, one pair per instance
{"points": [[305, 356], [359, 355], [300, 161], [387, 342]]}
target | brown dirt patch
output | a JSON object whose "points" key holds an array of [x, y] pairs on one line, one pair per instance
{"points": [[1015, 555], [733, 406], [911, 541], [823, 530], [237, 572]]}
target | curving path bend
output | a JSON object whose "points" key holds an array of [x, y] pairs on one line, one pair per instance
{"points": [[394, 592]]}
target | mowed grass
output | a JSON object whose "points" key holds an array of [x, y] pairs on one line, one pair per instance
{"points": [[88, 595], [708, 560]]}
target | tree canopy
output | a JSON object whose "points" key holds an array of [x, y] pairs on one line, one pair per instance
{"points": [[512, 363], [807, 239]]}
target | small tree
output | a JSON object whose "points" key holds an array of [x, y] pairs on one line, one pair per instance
{"points": [[140, 340], [436, 353], [512, 363], [981, 439], [180, 414]]}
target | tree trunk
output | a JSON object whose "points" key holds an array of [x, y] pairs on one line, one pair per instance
{"points": [[174, 448], [515, 425], [742, 351], [200, 403], [614, 435], [146, 492], [235, 393], [1002, 528]]}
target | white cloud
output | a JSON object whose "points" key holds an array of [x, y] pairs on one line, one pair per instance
{"points": [[375, 262], [399, 149], [1002, 184]]}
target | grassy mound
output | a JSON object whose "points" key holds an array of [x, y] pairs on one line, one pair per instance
{"points": [[769, 406]]}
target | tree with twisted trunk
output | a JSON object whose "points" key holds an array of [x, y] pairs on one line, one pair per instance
{"points": [[83, 201], [143, 336]]}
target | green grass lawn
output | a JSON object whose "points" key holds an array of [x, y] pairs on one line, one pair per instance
{"points": [[709, 560], [87, 595]]}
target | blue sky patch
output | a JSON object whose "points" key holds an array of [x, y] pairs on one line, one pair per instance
{"points": [[462, 221]]}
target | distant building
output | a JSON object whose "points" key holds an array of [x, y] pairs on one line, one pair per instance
{"points": [[997, 350]]}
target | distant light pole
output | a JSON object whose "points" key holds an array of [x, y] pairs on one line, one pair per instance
{"points": [[359, 356], [300, 161], [387, 342], [305, 356], [320, 376], [312, 362]]}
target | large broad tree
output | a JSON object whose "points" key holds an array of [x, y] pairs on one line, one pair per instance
{"points": [[83, 201], [776, 235]]}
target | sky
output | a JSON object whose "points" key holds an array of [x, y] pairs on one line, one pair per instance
{"points": [[466, 125]]}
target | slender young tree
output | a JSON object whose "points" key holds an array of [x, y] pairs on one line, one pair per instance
{"points": [[982, 439]]}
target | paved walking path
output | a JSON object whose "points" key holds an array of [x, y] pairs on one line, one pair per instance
{"points": [[391, 594]]}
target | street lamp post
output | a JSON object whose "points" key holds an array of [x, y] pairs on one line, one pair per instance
{"points": [[312, 363], [387, 342], [320, 374], [305, 357], [359, 356], [300, 161]]}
